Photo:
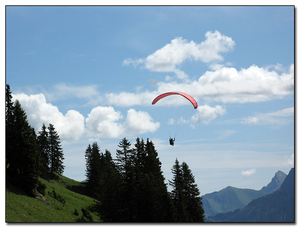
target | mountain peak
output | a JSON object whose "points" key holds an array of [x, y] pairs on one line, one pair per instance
{"points": [[275, 183]]}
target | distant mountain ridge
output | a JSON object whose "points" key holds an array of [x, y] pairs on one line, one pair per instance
{"points": [[278, 206], [231, 198], [228, 199]]}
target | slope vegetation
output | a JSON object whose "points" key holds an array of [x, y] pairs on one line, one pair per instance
{"points": [[63, 201]]}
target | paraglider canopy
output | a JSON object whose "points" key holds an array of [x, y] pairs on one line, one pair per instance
{"points": [[190, 98]]}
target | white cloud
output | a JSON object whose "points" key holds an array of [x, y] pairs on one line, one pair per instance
{"points": [[171, 121], [169, 57], [250, 120], [248, 173], [69, 126], [274, 118], [125, 99], [226, 85], [139, 122], [254, 84], [207, 113], [63, 91], [104, 122], [289, 161], [182, 121]]}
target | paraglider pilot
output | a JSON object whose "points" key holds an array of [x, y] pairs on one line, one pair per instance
{"points": [[172, 141]]}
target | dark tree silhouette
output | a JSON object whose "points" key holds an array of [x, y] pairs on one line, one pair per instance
{"points": [[56, 153]]}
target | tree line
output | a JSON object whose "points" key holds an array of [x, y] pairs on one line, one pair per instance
{"points": [[29, 156], [131, 188]]}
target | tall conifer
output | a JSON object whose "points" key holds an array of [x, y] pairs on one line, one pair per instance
{"points": [[125, 163], [186, 195], [177, 193], [93, 166], [43, 145], [109, 191], [23, 157], [56, 153], [191, 195], [9, 129]]}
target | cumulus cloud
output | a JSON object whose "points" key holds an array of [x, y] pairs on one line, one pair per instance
{"points": [[226, 85], [169, 57], [69, 126], [207, 113], [248, 173], [105, 122], [274, 118], [254, 84], [221, 83], [139, 122]]}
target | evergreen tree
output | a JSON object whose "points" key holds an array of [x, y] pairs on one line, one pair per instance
{"points": [[56, 153], [156, 198], [109, 190], [23, 157], [125, 164], [186, 195], [191, 195], [93, 165], [124, 157], [43, 145], [9, 125], [177, 193]]}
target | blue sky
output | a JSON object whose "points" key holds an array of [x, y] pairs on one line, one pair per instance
{"points": [[93, 71]]}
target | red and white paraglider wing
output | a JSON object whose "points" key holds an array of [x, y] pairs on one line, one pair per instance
{"points": [[190, 98]]}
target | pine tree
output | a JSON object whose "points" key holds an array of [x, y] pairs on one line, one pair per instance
{"points": [[43, 145], [125, 164], [56, 153], [93, 168], [109, 190], [157, 199], [191, 195], [186, 195], [23, 157], [9, 125], [124, 157], [177, 193]]}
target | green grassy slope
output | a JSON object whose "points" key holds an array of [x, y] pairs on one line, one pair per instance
{"points": [[22, 208]]}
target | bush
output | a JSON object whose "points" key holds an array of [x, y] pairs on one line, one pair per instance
{"points": [[41, 188], [86, 216], [57, 196], [76, 212]]}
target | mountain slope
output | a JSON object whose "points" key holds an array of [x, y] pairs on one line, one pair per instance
{"points": [[59, 204], [228, 199], [278, 206], [275, 183]]}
